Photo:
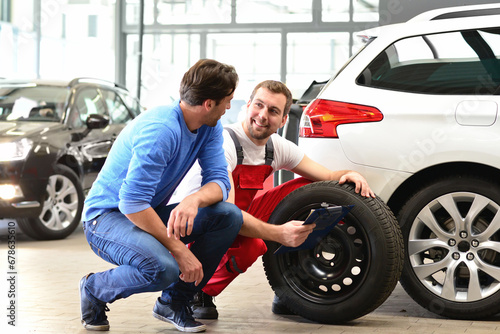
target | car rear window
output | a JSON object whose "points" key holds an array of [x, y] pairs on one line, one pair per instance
{"points": [[453, 63]]}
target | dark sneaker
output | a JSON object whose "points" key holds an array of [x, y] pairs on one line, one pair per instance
{"points": [[178, 314], [93, 312], [203, 306], [280, 308]]}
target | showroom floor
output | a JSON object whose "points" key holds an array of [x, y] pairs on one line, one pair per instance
{"points": [[47, 301]]}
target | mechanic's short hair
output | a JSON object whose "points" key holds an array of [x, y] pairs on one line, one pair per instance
{"points": [[208, 79], [276, 87]]}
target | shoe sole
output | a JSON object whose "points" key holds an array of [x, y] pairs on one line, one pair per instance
{"points": [[85, 325], [196, 329], [95, 328]]}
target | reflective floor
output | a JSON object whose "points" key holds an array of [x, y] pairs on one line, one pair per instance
{"points": [[47, 300]]}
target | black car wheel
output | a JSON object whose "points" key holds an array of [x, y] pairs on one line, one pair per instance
{"points": [[351, 271], [62, 208], [452, 233]]}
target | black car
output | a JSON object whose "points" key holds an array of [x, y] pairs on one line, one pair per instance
{"points": [[54, 139]]}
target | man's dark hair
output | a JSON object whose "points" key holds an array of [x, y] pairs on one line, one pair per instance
{"points": [[276, 87], [208, 79]]}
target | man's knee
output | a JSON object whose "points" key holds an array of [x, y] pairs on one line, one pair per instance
{"points": [[166, 277], [229, 216], [159, 270]]}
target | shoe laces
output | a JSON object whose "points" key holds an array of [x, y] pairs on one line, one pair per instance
{"points": [[101, 310], [184, 310]]}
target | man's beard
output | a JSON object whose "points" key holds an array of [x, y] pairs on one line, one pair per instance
{"points": [[260, 135]]}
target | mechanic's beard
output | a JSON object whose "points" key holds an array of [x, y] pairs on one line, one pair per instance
{"points": [[257, 135]]}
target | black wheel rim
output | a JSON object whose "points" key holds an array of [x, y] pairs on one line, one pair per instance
{"points": [[335, 269]]}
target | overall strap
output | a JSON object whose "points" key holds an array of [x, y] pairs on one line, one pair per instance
{"points": [[269, 157], [237, 145], [269, 152]]}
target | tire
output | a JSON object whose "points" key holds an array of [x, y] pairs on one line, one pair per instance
{"points": [[62, 207], [452, 234], [352, 270]]}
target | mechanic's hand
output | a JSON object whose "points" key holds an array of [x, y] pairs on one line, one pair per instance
{"points": [[180, 222], [189, 266], [361, 186], [294, 233]]}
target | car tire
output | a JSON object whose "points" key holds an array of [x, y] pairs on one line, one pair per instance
{"points": [[351, 271], [62, 207], [452, 239]]}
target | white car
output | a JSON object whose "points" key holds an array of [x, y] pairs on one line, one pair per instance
{"points": [[416, 113]]}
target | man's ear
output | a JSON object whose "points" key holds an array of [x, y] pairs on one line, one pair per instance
{"points": [[208, 104], [283, 120]]}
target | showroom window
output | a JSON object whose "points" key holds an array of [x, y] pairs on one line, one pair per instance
{"points": [[179, 12], [314, 56], [366, 10], [165, 59], [295, 41], [57, 39], [92, 26], [258, 11], [199, 11], [256, 57], [454, 63], [64, 39]]}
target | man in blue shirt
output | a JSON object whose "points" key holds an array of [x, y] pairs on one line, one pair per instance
{"points": [[127, 221]]}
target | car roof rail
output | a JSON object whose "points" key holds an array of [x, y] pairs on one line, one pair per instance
{"points": [[468, 13], [95, 81], [457, 12]]}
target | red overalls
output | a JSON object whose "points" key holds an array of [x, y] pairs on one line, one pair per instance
{"points": [[247, 181]]}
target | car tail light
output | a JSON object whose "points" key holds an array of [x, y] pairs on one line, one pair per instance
{"points": [[321, 117]]}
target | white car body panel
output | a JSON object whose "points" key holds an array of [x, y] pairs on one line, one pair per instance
{"points": [[382, 181]]}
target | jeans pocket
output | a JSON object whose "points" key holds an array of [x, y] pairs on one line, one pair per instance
{"points": [[93, 225]]}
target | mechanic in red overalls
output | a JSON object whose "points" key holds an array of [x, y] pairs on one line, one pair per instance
{"points": [[253, 152]]}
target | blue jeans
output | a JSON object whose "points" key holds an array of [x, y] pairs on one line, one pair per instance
{"points": [[145, 265]]}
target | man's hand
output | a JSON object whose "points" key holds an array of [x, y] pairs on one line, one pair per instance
{"points": [[189, 266], [361, 186], [293, 233], [180, 222], [148, 220]]}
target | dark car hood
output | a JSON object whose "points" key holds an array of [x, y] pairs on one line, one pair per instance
{"points": [[17, 130]]}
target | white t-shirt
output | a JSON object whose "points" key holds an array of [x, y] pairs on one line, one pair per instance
{"points": [[287, 156]]}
